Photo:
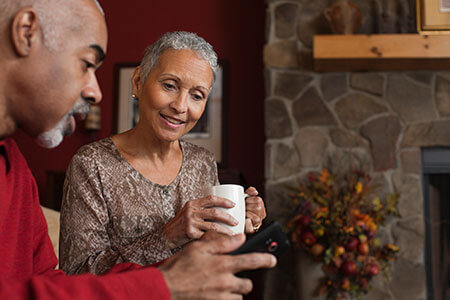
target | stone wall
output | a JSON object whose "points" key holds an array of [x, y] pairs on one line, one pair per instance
{"points": [[377, 121]]}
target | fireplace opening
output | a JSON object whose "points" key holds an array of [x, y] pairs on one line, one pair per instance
{"points": [[436, 183]]}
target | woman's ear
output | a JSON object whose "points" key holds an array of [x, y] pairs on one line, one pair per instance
{"points": [[25, 30], [136, 81]]}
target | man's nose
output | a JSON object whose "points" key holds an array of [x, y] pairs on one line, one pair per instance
{"points": [[91, 91]]}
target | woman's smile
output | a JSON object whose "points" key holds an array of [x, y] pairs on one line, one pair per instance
{"points": [[172, 122]]}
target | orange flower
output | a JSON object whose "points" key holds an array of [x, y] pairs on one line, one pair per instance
{"points": [[323, 177], [349, 229]]}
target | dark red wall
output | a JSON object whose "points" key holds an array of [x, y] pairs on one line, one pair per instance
{"points": [[236, 30]]}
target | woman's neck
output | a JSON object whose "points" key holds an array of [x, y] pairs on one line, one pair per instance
{"points": [[144, 145]]}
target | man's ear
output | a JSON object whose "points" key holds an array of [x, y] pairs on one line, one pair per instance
{"points": [[25, 30]]}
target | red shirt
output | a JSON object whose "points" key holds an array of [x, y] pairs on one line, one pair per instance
{"points": [[27, 260]]}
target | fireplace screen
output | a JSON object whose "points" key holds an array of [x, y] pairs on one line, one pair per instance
{"points": [[436, 178]]}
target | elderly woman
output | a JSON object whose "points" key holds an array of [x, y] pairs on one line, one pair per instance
{"points": [[137, 196]]}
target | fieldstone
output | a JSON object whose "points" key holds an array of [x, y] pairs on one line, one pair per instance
{"points": [[333, 85], [289, 85], [277, 122], [408, 280], [279, 201], [285, 15], [442, 95], [286, 161], [413, 102], [383, 134], [312, 144], [380, 185], [414, 224], [346, 138], [310, 21], [409, 188], [268, 161], [422, 77], [368, 82], [305, 59], [427, 134], [309, 109], [340, 160], [268, 82], [410, 243], [380, 289], [354, 109], [411, 161], [281, 54]]}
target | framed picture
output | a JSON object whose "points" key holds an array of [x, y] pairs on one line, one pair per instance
{"points": [[210, 130], [433, 16]]}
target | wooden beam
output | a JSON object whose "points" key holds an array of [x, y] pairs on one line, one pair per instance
{"points": [[381, 52]]}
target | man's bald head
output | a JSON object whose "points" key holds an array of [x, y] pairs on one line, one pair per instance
{"points": [[54, 16]]}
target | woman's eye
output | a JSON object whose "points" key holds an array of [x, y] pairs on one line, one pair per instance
{"points": [[168, 86], [197, 97]]}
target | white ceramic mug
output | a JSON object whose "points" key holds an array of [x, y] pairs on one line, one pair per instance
{"points": [[235, 193]]}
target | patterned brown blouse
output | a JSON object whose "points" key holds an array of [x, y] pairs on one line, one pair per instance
{"points": [[111, 213]]}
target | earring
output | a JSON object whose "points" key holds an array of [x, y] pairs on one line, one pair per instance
{"points": [[134, 97]]}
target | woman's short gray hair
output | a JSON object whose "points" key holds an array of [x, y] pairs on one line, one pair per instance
{"points": [[178, 40]]}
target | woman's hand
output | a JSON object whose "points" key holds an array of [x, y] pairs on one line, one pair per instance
{"points": [[255, 211], [196, 217]]}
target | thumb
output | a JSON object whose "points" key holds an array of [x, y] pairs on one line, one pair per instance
{"points": [[217, 243]]}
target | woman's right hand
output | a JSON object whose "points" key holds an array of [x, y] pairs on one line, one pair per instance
{"points": [[196, 217]]}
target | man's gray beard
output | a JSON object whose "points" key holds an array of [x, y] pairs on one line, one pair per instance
{"points": [[53, 137]]}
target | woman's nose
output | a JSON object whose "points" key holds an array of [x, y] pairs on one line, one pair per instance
{"points": [[91, 91], [179, 104]]}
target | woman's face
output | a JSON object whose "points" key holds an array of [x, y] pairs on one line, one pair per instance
{"points": [[174, 95]]}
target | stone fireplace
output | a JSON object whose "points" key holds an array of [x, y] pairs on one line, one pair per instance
{"points": [[379, 121]]}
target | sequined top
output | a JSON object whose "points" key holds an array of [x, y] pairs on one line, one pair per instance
{"points": [[111, 213]]}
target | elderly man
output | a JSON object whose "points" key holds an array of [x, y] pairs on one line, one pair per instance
{"points": [[49, 52]]}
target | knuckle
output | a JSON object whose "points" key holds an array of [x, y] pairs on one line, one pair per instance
{"points": [[246, 286], [215, 212]]}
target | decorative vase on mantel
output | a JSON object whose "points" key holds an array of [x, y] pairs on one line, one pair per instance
{"points": [[343, 17]]}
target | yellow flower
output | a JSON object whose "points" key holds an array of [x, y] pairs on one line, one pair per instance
{"points": [[319, 231], [359, 187]]}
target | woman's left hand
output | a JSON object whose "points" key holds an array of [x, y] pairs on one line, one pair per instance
{"points": [[255, 211]]}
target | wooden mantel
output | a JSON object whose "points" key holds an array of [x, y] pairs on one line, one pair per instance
{"points": [[381, 52]]}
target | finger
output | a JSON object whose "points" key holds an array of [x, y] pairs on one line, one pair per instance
{"points": [[214, 201], [241, 286], [249, 226], [254, 200], [255, 219], [218, 215], [217, 227], [253, 261], [256, 205], [194, 231], [217, 243], [251, 191]]}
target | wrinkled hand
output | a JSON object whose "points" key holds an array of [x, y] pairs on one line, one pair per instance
{"points": [[255, 210], [202, 270], [196, 217]]}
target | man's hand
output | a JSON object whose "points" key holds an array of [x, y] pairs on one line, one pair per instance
{"points": [[203, 270]]}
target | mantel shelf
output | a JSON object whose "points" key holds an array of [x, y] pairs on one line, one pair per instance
{"points": [[381, 52]]}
